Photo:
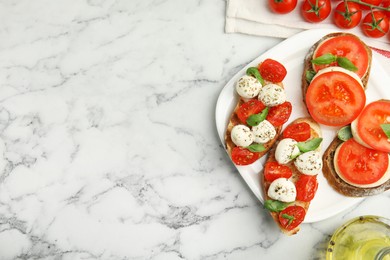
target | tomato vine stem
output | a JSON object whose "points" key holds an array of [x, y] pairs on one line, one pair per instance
{"points": [[369, 5]]}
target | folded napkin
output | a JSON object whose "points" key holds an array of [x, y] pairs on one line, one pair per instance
{"points": [[255, 18]]}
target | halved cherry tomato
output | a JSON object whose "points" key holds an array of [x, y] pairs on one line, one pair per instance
{"points": [[273, 171], [369, 125], [359, 164], [315, 11], [347, 15], [253, 106], [375, 24], [291, 217], [282, 6], [347, 46], [242, 156], [299, 131], [272, 70], [278, 115], [335, 98], [306, 187]]}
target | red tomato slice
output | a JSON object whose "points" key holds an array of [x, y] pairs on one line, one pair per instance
{"points": [[346, 46], [272, 70], [249, 108], [359, 164], [369, 125], [278, 115], [273, 171], [291, 217], [306, 187], [335, 98], [300, 132], [242, 156]]}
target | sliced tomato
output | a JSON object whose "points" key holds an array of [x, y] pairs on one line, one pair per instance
{"points": [[348, 46], [249, 108], [273, 171], [306, 187], [291, 217], [272, 70], [278, 115], [335, 98], [359, 164], [299, 131], [242, 156], [369, 125]]}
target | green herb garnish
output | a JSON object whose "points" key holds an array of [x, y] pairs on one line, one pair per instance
{"points": [[256, 119], [386, 129], [290, 218], [345, 133], [310, 75], [329, 58], [253, 71], [310, 145], [256, 148], [275, 205]]}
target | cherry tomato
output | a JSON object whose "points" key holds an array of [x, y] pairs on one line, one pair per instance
{"points": [[278, 115], [272, 70], [386, 4], [375, 24], [282, 6], [291, 217], [347, 15], [359, 164], [335, 98], [273, 171], [371, 2], [348, 46], [242, 156], [300, 132], [369, 125], [315, 11], [306, 187], [249, 108]]}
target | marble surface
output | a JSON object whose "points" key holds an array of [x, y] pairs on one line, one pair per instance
{"points": [[108, 140]]}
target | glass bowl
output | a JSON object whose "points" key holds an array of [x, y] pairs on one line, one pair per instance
{"points": [[365, 237]]}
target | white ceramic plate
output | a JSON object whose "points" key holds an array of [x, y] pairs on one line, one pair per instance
{"points": [[291, 54]]}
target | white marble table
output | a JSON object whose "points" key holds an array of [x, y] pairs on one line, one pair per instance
{"points": [[108, 140]]}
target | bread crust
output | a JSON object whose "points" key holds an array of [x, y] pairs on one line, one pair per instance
{"points": [[315, 132], [339, 184], [309, 57]]}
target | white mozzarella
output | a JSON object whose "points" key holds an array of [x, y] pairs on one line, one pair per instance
{"points": [[309, 163], [242, 136], [263, 132], [286, 150], [283, 190], [272, 95], [382, 180], [340, 69], [248, 86]]}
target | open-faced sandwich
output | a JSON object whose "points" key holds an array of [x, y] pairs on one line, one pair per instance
{"points": [[260, 113], [335, 75], [356, 163], [290, 174]]}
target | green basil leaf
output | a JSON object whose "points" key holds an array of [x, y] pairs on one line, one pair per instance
{"points": [[310, 75], [253, 71], [346, 64], [256, 119], [386, 129], [256, 148], [290, 218], [345, 133], [327, 58], [310, 145], [275, 205]]}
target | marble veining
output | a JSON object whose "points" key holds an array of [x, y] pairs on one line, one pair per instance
{"points": [[108, 142]]}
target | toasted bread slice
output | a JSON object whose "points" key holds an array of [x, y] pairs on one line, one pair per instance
{"points": [[315, 132], [308, 65]]}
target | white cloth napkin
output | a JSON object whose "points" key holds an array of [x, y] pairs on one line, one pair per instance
{"points": [[255, 18]]}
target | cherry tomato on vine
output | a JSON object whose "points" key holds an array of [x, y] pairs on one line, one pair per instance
{"points": [[371, 2], [375, 24], [347, 15], [315, 11], [282, 6]]}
